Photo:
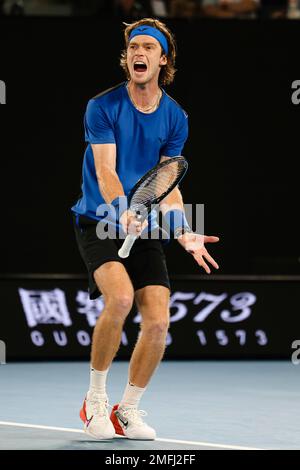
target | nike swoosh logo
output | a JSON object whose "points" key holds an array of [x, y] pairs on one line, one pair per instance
{"points": [[88, 421], [120, 417]]}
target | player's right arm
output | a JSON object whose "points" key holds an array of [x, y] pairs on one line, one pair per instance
{"points": [[109, 183], [105, 164]]}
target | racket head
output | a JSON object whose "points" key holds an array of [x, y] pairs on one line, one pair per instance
{"points": [[156, 184]]}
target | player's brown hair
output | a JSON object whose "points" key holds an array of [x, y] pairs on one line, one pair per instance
{"points": [[167, 72]]}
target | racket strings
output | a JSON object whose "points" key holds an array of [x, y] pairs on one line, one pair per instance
{"points": [[157, 184]]}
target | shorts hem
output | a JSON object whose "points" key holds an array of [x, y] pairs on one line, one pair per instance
{"points": [[94, 265], [153, 282]]}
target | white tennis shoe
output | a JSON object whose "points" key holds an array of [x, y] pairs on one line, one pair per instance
{"points": [[128, 422], [95, 416]]}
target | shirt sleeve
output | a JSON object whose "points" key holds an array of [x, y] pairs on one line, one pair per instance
{"points": [[98, 129], [174, 145]]}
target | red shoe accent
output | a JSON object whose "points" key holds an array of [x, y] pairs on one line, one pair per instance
{"points": [[82, 413], [115, 421]]}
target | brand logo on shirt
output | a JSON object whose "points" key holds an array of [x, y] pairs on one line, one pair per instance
{"points": [[2, 92]]}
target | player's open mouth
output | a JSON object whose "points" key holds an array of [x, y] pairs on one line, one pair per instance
{"points": [[139, 66]]}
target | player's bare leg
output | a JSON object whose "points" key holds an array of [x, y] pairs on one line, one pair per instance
{"points": [[115, 285], [153, 304]]}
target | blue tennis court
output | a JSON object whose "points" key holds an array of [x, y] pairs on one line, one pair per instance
{"points": [[192, 405]]}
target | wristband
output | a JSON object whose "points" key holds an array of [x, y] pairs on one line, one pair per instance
{"points": [[177, 222], [181, 231]]}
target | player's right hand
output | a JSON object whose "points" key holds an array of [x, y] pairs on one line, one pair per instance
{"points": [[130, 223]]}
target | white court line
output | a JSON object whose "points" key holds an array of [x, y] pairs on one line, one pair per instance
{"points": [[175, 441]]}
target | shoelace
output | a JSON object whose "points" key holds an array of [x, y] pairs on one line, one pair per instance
{"points": [[134, 415], [98, 405]]}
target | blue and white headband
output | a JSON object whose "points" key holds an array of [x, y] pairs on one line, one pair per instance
{"points": [[150, 31]]}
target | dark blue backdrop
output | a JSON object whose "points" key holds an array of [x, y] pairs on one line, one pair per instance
{"points": [[234, 80]]}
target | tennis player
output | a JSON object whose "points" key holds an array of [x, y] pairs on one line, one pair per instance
{"points": [[129, 129]]}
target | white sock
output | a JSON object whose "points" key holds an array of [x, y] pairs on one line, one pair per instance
{"points": [[132, 395], [98, 381]]}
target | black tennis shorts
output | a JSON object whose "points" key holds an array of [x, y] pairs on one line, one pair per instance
{"points": [[146, 264]]}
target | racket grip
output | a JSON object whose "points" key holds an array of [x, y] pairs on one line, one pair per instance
{"points": [[127, 245]]}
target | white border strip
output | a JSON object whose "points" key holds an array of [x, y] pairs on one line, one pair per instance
{"points": [[175, 441]]}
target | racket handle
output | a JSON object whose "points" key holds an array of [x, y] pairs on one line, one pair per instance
{"points": [[127, 245]]}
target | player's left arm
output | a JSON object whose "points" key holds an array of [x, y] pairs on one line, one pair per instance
{"points": [[193, 243]]}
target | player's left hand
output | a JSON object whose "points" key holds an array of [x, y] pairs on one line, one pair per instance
{"points": [[194, 243]]}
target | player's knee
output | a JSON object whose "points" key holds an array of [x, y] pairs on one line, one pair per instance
{"points": [[124, 303], [156, 329], [120, 304]]}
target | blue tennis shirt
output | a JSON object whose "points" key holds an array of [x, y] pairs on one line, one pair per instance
{"points": [[141, 139]]}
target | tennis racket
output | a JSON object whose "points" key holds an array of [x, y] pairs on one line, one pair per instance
{"points": [[151, 189]]}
